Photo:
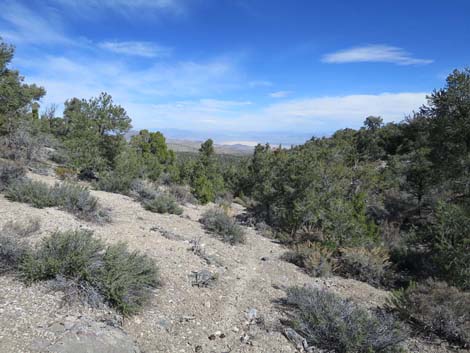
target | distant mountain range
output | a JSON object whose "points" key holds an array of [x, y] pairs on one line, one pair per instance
{"points": [[240, 143], [193, 146]]}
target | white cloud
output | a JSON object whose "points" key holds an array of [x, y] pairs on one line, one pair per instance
{"points": [[169, 96], [144, 49], [343, 111], [374, 53], [280, 94], [85, 76], [21, 25], [314, 116]]}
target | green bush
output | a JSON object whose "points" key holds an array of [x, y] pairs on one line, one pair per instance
{"points": [[124, 279], [334, 324], [370, 265], [113, 182], [450, 244], [77, 200], [10, 172], [35, 193], [436, 307], [12, 251], [203, 189], [72, 198], [162, 203], [218, 222], [71, 254], [13, 247]]}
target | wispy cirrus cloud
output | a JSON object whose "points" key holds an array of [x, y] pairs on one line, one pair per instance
{"points": [[280, 94], [136, 48], [19, 24], [374, 53], [126, 7]]}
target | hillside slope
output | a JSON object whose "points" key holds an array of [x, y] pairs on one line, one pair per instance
{"points": [[180, 317]]}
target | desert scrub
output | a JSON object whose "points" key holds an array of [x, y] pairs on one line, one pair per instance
{"points": [[218, 222], [124, 279], [113, 182], [370, 265], [162, 203], [142, 190], [72, 198], [13, 246], [182, 194], [12, 251], [436, 307], [338, 325], [71, 254], [10, 172], [317, 260], [35, 193], [77, 200]]}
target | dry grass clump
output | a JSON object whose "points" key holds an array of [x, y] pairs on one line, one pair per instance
{"points": [[316, 259], [370, 265]]}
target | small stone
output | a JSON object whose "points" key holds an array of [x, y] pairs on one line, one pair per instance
{"points": [[187, 318], [252, 314], [235, 329], [207, 304], [212, 337]]}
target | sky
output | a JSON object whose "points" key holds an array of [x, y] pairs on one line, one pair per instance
{"points": [[275, 71]]}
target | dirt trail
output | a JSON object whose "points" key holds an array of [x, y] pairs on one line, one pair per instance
{"points": [[180, 317]]}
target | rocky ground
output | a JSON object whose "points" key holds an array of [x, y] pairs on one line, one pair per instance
{"points": [[236, 313]]}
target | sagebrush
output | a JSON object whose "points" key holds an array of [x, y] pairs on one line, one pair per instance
{"points": [[338, 325], [162, 203], [10, 172], [218, 222], [434, 306], [72, 198], [124, 279]]}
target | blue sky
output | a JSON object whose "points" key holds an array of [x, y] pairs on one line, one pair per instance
{"points": [[241, 70]]}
